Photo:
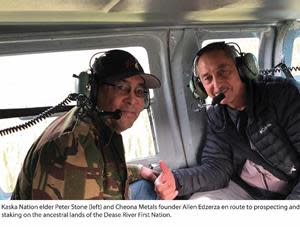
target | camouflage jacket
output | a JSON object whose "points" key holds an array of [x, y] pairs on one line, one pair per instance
{"points": [[76, 158]]}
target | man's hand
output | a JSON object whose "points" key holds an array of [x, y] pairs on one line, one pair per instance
{"points": [[165, 185], [149, 174]]}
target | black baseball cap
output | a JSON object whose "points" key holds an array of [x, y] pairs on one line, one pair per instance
{"points": [[116, 65]]}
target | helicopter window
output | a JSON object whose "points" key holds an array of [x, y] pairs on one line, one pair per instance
{"points": [[295, 58]]}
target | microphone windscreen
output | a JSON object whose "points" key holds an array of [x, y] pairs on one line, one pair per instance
{"points": [[218, 99], [117, 114]]}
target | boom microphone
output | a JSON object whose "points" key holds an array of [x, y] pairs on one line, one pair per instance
{"points": [[216, 100], [202, 105], [115, 114]]}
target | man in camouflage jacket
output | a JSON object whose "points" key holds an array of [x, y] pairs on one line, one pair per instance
{"points": [[81, 154]]}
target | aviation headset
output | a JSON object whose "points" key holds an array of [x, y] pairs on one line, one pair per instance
{"points": [[246, 64], [89, 82]]}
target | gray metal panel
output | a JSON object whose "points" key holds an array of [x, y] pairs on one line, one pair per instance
{"points": [[150, 12]]}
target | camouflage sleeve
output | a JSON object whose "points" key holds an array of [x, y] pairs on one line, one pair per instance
{"points": [[133, 172], [23, 187]]}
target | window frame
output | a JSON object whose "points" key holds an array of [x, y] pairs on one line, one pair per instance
{"points": [[165, 130]]}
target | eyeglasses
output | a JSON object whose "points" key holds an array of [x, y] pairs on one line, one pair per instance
{"points": [[125, 89]]}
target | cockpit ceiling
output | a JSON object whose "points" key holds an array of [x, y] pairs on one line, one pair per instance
{"points": [[144, 12]]}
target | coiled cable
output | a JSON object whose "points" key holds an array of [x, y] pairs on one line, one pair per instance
{"points": [[47, 113], [278, 70]]}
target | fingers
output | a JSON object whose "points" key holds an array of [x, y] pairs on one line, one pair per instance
{"points": [[165, 184], [164, 190], [166, 172], [156, 173], [165, 169], [152, 177], [149, 174]]}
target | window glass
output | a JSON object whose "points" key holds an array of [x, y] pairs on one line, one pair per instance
{"points": [[137, 144], [34, 80], [296, 58], [44, 79]]}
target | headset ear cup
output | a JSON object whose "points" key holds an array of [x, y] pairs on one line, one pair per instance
{"points": [[83, 83], [93, 90], [247, 66], [239, 66], [251, 66], [197, 89]]}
